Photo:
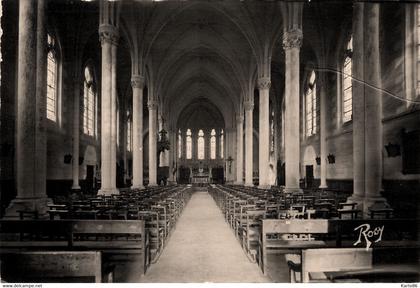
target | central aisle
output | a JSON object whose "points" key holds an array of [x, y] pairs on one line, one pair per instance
{"points": [[203, 249]]}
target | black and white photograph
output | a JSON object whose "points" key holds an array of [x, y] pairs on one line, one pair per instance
{"points": [[217, 142]]}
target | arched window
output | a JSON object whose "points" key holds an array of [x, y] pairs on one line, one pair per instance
{"points": [[222, 140], [188, 141], [52, 79], [179, 144], [213, 144], [311, 106], [89, 103], [347, 99], [129, 133], [200, 145]]}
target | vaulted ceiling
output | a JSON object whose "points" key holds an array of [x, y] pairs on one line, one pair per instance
{"points": [[209, 51]]}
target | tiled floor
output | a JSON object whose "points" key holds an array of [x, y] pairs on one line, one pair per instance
{"points": [[203, 249]]}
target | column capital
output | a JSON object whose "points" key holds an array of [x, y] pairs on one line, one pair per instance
{"points": [[292, 39], [248, 105], [152, 104], [264, 83], [108, 34], [137, 81]]}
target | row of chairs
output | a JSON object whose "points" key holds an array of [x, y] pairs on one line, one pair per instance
{"points": [[160, 208]]}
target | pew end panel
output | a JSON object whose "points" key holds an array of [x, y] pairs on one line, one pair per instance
{"points": [[48, 266]]}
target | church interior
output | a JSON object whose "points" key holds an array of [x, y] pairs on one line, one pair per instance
{"points": [[161, 141]]}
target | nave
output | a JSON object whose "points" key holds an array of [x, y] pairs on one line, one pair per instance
{"points": [[203, 249]]}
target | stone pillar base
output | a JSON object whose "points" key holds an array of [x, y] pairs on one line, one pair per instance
{"points": [[374, 202], [76, 188], [356, 199], [323, 186], [264, 186], [140, 187], [28, 204], [290, 190], [239, 183], [152, 184], [108, 191], [249, 184]]}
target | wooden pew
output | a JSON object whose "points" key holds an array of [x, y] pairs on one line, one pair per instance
{"points": [[121, 241], [315, 262], [48, 266], [288, 235]]}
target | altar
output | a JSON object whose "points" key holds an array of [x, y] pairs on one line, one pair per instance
{"points": [[200, 176]]}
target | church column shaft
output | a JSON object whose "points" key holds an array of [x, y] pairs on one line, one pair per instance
{"points": [[31, 175], [76, 133], [114, 114], [323, 134], [137, 83], [264, 130], [291, 42], [358, 104], [109, 37], [239, 150], [152, 105], [31, 149], [373, 102], [249, 106], [41, 104]]}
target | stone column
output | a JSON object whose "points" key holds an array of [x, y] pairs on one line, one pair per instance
{"points": [[137, 83], [173, 138], [123, 119], [373, 106], [323, 129], [292, 41], [367, 108], [239, 149], [184, 144], [31, 111], [152, 105], [230, 149], [358, 105], [264, 84], [249, 106], [109, 37], [114, 112], [218, 133], [76, 132]]}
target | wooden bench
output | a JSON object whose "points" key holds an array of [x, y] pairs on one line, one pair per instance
{"points": [[121, 241], [290, 236], [48, 266], [315, 262], [379, 273]]}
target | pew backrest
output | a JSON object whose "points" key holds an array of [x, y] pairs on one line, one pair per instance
{"points": [[58, 266], [334, 259]]}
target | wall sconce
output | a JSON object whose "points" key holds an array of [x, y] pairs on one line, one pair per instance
{"points": [[230, 160], [331, 158], [318, 160], [67, 158], [393, 150]]}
